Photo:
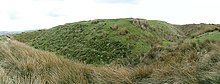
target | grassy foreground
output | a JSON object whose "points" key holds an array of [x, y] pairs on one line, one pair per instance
{"points": [[184, 64], [21, 64]]}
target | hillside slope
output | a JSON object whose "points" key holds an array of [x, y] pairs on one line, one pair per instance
{"points": [[102, 41], [183, 64], [105, 41], [135, 51], [193, 30], [21, 64]]}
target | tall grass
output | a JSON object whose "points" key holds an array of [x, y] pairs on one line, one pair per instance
{"points": [[21, 64], [186, 64], [183, 64]]}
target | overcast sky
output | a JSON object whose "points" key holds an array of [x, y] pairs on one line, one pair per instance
{"points": [[16, 15]]}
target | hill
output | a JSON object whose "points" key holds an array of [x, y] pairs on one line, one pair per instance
{"points": [[104, 40], [193, 30], [133, 51], [185, 63]]}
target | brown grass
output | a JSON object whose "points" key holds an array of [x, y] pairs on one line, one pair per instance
{"points": [[183, 64], [21, 64], [186, 65]]}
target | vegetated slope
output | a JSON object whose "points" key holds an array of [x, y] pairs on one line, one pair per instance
{"points": [[28, 36], [20, 64], [102, 41], [212, 36], [194, 30], [2, 38], [186, 63], [164, 30]]}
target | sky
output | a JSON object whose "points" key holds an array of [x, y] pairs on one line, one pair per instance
{"points": [[17, 15]]}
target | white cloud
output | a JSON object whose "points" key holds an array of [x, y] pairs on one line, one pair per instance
{"points": [[34, 14]]}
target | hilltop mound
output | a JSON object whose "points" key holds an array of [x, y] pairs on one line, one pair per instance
{"points": [[104, 40]]}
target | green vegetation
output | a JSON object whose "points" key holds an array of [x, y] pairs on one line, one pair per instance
{"points": [[105, 41], [101, 41], [193, 30], [21, 64], [130, 51], [164, 30], [212, 36], [2, 37], [28, 36], [163, 26]]}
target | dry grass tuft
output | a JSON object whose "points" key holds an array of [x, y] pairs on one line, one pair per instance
{"points": [[183, 64], [21, 64]]}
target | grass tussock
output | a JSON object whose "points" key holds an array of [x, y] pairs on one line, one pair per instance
{"points": [[21, 64], [185, 64]]}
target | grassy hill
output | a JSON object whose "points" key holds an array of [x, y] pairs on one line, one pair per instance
{"points": [[211, 36], [104, 40], [184, 64], [193, 30], [133, 51]]}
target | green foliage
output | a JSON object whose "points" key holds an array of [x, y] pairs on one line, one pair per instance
{"points": [[2, 37], [155, 51], [100, 41], [163, 26], [212, 36], [164, 30], [194, 30], [28, 36], [81, 40]]}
